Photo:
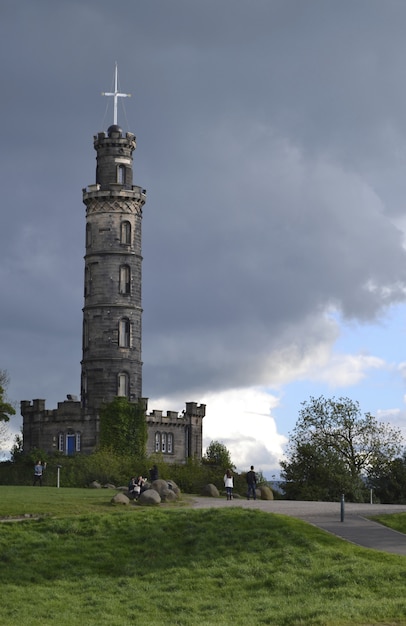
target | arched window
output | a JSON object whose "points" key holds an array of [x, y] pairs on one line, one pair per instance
{"points": [[170, 443], [123, 385], [88, 235], [121, 174], [125, 233], [125, 279], [157, 442], [163, 442], [124, 333]]}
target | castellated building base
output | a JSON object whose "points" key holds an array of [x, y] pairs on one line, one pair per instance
{"points": [[69, 430]]}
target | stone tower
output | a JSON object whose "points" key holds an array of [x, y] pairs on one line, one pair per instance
{"points": [[111, 353], [111, 349]]}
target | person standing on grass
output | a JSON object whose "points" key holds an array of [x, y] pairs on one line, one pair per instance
{"points": [[251, 483], [153, 473], [229, 484], [39, 468]]}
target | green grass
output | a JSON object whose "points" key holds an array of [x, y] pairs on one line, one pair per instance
{"points": [[89, 563], [52, 501], [396, 521]]}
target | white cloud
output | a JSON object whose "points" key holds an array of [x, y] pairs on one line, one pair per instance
{"points": [[242, 420]]}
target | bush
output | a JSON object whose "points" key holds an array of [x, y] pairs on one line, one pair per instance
{"points": [[106, 466]]}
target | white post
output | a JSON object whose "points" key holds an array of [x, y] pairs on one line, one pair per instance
{"points": [[58, 476]]}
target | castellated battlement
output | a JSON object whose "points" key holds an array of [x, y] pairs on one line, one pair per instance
{"points": [[35, 411], [114, 138], [116, 190], [175, 418]]}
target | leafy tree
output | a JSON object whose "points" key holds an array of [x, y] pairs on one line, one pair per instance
{"points": [[333, 448], [218, 455], [123, 427], [17, 448], [388, 481], [6, 409]]}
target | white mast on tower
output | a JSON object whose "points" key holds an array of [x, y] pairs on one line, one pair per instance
{"points": [[116, 94]]}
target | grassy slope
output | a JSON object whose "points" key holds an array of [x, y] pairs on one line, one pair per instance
{"points": [[182, 566]]}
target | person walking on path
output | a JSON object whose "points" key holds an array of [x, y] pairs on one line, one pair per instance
{"points": [[229, 484], [251, 483], [38, 472]]}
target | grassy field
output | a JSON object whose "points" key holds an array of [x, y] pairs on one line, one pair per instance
{"points": [[86, 562]]}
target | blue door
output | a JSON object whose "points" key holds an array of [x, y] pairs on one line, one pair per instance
{"points": [[70, 444]]}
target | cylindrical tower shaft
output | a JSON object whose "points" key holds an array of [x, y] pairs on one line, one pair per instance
{"points": [[111, 357]]}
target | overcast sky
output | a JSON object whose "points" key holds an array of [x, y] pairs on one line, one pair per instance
{"points": [[271, 139]]}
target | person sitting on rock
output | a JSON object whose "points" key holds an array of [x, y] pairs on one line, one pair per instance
{"points": [[138, 487], [132, 485]]}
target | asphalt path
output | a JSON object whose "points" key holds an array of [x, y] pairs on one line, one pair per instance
{"points": [[349, 521]]}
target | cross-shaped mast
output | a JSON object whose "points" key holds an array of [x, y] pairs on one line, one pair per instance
{"points": [[116, 94]]}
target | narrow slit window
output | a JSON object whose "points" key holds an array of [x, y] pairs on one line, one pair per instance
{"points": [[125, 235], [88, 281], [121, 174], [123, 386], [88, 235], [125, 279], [124, 331]]}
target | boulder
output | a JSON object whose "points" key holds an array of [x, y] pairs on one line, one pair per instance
{"points": [[170, 496], [95, 485], [166, 489], [211, 491], [149, 497], [266, 492], [120, 498], [174, 487], [109, 486]]}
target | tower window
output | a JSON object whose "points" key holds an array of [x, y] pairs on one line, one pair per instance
{"points": [[123, 385], [170, 443], [88, 235], [125, 234], [121, 174], [60, 442], [163, 442], [77, 442], [124, 333], [85, 335], [88, 281], [83, 391], [157, 442], [125, 277]]}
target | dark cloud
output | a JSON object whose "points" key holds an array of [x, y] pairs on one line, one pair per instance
{"points": [[271, 143]]}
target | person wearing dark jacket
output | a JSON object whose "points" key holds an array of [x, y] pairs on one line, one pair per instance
{"points": [[251, 483], [153, 473]]}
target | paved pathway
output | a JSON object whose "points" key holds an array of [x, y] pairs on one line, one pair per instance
{"points": [[356, 527]]}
